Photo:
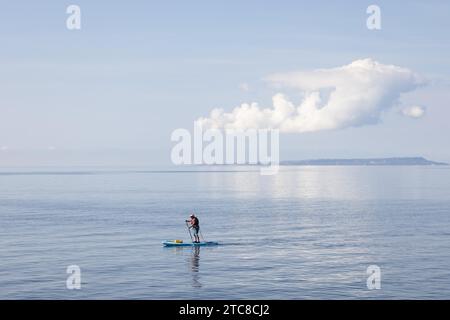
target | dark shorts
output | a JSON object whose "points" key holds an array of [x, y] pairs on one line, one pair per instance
{"points": [[195, 230]]}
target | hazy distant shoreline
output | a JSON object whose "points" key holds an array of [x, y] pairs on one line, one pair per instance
{"points": [[399, 161]]}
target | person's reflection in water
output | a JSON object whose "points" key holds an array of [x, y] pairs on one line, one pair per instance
{"points": [[195, 267]]}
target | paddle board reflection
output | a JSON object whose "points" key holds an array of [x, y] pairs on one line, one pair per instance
{"points": [[195, 267]]}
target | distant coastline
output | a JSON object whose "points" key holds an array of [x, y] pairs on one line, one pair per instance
{"points": [[399, 161]]}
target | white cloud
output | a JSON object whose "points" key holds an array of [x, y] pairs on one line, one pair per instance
{"points": [[414, 111], [336, 98]]}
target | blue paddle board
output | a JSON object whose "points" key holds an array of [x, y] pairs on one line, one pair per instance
{"points": [[188, 244]]}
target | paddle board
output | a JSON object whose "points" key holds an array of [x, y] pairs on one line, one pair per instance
{"points": [[172, 243]]}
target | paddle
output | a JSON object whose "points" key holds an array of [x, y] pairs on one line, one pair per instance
{"points": [[189, 229]]}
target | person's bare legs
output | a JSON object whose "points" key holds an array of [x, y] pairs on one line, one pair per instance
{"points": [[196, 236]]}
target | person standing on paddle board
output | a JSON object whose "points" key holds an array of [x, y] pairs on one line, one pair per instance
{"points": [[194, 225]]}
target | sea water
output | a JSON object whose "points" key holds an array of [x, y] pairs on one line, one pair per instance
{"points": [[304, 233]]}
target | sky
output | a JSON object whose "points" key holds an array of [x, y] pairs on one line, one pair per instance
{"points": [[112, 92]]}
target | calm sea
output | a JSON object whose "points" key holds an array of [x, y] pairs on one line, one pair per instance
{"points": [[307, 232]]}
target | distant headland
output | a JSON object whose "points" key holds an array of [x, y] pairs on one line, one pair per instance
{"points": [[401, 161]]}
